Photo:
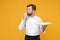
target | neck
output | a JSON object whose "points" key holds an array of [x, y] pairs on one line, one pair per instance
{"points": [[32, 15]]}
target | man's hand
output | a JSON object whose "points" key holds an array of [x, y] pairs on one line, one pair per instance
{"points": [[44, 27], [25, 15]]}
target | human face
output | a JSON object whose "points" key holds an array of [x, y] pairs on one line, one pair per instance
{"points": [[29, 11]]}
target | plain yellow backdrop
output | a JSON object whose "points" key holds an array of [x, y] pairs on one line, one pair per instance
{"points": [[11, 14]]}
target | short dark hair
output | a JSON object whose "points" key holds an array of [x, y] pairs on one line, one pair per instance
{"points": [[33, 6]]}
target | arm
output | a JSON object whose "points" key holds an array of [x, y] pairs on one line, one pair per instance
{"points": [[42, 27], [22, 24]]}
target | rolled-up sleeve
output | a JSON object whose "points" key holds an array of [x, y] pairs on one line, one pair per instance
{"points": [[40, 21], [22, 25], [41, 28]]}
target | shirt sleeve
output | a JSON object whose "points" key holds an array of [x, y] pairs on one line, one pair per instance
{"points": [[40, 21], [41, 28], [22, 25]]}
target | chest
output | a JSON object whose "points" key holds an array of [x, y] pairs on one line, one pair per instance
{"points": [[32, 21]]}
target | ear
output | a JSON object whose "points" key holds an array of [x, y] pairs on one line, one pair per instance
{"points": [[34, 11]]}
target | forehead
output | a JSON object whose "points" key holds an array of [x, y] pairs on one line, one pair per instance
{"points": [[30, 7]]}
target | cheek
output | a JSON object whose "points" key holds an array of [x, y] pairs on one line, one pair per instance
{"points": [[29, 11]]}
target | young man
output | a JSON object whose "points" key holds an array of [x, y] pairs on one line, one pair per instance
{"points": [[32, 24]]}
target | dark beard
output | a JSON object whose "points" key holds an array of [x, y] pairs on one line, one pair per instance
{"points": [[29, 14]]}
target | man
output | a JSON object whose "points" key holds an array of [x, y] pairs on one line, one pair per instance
{"points": [[32, 24]]}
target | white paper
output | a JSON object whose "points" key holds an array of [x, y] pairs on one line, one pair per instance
{"points": [[45, 23]]}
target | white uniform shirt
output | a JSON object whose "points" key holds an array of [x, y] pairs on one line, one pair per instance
{"points": [[32, 26]]}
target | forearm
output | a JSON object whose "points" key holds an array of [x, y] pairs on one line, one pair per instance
{"points": [[44, 28], [22, 24]]}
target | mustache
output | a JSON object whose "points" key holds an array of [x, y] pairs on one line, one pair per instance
{"points": [[29, 14]]}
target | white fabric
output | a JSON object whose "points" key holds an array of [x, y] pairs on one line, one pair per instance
{"points": [[32, 25]]}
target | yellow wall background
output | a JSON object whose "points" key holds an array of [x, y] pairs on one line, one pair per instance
{"points": [[11, 14]]}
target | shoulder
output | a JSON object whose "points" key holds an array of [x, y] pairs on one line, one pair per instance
{"points": [[37, 17]]}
